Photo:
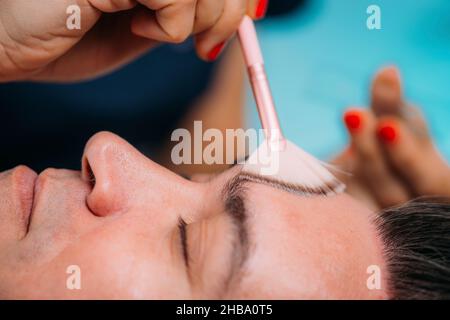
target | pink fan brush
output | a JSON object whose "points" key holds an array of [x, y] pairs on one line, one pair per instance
{"points": [[277, 160]]}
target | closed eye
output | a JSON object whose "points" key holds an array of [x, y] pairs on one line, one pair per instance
{"points": [[234, 199]]}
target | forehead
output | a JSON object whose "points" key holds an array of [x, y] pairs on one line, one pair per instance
{"points": [[265, 202], [308, 247]]}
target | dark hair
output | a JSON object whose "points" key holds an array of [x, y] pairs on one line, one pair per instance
{"points": [[416, 240]]}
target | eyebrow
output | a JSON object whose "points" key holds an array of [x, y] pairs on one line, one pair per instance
{"points": [[234, 195]]}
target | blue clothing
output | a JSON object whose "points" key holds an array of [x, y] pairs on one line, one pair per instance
{"points": [[47, 125]]}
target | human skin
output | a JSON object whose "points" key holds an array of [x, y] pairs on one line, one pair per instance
{"points": [[378, 172], [35, 43], [392, 157], [122, 230]]}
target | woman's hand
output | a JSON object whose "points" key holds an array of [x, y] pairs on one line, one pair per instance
{"points": [[35, 43], [213, 21], [392, 158]]}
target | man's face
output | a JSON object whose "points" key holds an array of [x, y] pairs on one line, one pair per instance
{"points": [[136, 230]]}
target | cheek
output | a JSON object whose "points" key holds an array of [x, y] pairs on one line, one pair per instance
{"points": [[210, 244], [117, 264], [141, 261]]}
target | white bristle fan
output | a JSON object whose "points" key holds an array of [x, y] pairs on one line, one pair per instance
{"points": [[277, 159]]}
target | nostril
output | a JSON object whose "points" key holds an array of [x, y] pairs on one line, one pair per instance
{"points": [[90, 174]]}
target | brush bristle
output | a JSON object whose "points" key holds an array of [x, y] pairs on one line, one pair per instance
{"points": [[292, 169]]}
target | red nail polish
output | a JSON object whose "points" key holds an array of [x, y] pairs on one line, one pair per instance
{"points": [[214, 53], [388, 133], [353, 121], [261, 9]]}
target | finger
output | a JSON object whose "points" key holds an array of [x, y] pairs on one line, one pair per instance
{"points": [[113, 5], [257, 9], [110, 41], [167, 21], [211, 43], [417, 160], [207, 14], [372, 167], [387, 99], [414, 119], [387, 93]]}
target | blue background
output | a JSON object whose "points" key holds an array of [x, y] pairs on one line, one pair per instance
{"points": [[321, 60]]}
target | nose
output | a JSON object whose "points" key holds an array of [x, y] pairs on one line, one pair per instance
{"points": [[122, 179]]}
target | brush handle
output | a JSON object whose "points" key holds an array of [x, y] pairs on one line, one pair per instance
{"points": [[258, 79]]}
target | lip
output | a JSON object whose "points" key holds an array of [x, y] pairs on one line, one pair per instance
{"points": [[24, 181]]}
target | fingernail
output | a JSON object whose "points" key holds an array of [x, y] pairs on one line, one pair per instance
{"points": [[388, 80], [353, 121], [214, 53], [391, 72], [388, 133], [261, 9]]}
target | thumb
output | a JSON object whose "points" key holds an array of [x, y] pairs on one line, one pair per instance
{"points": [[107, 46]]}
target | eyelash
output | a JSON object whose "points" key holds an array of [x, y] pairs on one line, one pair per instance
{"points": [[285, 187]]}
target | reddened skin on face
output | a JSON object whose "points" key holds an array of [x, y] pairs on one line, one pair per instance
{"points": [[119, 221]]}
